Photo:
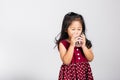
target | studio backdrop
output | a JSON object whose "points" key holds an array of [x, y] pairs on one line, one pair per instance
{"points": [[28, 29]]}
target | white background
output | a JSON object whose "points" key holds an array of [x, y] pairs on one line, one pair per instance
{"points": [[28, 29]]}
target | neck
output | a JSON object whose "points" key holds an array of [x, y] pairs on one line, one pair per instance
{"points": [[68, 39]]}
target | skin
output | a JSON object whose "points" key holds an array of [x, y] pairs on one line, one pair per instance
{"points": [[74, 31]]}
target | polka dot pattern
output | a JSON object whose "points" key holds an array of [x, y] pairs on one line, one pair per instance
{"points": [[76, 71]]}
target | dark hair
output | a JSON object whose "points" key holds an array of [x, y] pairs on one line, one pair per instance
{"points": [[68, 19]]}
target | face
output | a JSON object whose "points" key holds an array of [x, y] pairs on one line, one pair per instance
{"points": [[74, 29]]}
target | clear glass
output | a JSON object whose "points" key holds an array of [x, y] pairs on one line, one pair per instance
{"points": [[78, 43]]}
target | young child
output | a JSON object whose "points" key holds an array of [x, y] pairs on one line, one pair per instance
{"points": [[75, 49]]}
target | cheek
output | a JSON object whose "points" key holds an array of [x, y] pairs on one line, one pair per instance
{"points": [[80, 32], [70, 34]]}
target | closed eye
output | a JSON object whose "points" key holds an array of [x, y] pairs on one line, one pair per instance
{"points": [[79, 29]]}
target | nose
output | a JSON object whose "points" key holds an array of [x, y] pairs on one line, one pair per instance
{"points": [[76, 33]]}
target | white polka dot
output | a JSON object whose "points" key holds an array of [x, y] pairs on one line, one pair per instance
{"points": [[77, 49], [79, 58]]}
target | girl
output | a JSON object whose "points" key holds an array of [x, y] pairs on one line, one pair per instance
{"points": [[75, 49]]}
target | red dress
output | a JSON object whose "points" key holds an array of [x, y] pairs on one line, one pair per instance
{"points": [[78, 69]]}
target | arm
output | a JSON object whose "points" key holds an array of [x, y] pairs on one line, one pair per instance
{"points": [[87, 52], [66, 55]]}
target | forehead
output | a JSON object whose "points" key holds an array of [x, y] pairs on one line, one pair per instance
{"points": [[76, 24]]}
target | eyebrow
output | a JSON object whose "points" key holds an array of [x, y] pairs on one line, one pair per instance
{"points": [[74, 27]]}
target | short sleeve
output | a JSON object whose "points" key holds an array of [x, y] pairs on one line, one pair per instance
{"points": [[65, 43]]}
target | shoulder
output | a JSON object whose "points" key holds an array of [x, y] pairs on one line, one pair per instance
{"points": [[64, 43]]}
